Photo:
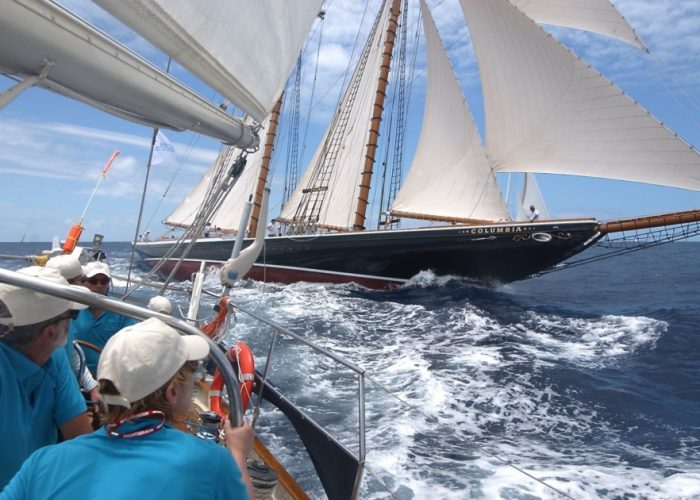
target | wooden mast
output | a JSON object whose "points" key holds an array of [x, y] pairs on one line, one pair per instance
{"points": [[265, 166], [363, 197]]}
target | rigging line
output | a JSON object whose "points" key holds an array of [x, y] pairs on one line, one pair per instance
{"points": [[180, 164], [686, 233], [141, 206], [666, 69], [313, 88], [209, 206], [477, 445], [377, 478]]}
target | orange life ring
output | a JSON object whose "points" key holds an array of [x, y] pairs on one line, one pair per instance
{"points": [[241, 359], [72, 238]]}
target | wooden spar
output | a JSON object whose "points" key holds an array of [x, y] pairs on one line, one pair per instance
{"points": [[616, 226], [363, 197], [265, 166], [441, 218]]}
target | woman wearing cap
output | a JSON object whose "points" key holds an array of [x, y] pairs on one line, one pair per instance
{"points": [[38, 392], [146, 377], [95, 325]]}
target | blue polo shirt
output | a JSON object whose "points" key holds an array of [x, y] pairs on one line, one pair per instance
{"points": [[97, 331], [34, 401], [165, 464]]}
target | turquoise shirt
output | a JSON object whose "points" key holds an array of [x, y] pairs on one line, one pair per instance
{"points": [[34, 401], [165, 464], [97, 331]]}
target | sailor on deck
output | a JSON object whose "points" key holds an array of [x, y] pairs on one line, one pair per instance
{"points": [[160, 304], [95, 325], [38, 392], [146, 377], [70, 268], [534, 214]]}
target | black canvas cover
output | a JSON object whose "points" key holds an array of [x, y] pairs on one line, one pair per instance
{"points": [[335, 465]]}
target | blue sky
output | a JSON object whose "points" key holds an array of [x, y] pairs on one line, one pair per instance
{"points": [[52, 149]]}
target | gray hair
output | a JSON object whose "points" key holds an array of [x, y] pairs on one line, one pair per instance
{"points": [[25, 335]]}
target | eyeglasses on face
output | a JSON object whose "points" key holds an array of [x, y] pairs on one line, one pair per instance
{"points": [[95, 280], [69, 315], [198, 369]]}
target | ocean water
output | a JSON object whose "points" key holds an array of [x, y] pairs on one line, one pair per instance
{"points": [[582, 383]]}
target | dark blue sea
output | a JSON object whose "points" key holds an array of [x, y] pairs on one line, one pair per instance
{"points": [[587, 379]]}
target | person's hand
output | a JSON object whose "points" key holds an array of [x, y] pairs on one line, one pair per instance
{"points": [[97, 398], [238, 439]]}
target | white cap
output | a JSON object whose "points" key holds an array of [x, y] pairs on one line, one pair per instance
{"points": [[68, 265], [160, 304], [21, 306], [94, 268], [141, 358]]}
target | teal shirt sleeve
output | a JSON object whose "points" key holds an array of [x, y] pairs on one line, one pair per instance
{"points": [[230, 483], [69, 401]]}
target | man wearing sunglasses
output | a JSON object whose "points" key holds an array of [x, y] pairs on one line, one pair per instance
{"points": [[72, 271], [38, 392], [93, 325]]}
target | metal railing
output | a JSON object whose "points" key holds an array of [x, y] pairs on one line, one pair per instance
{"points": [[84, 296]]}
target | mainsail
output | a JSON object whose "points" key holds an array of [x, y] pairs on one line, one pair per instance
{"points": [[450, 176], [247, 54], [327, 193], [548, 111]]}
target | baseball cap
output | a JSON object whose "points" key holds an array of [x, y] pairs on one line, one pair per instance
{"points": [[94, 268], [160, 304], [21, 306], [141, 358], [67, 265]]}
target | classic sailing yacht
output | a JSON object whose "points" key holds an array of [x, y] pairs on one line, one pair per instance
{"points": [[546, 111]]}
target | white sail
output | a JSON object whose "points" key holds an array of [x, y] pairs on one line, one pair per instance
{"points": [[342, 187], [548, 111], [244, 49], [531, 197], [228, 216], [598, 16], [87, 65], [450, 175]]}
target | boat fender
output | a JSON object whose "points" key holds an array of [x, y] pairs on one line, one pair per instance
{"points": [[542, 237], [72, 238], [241, 358]]}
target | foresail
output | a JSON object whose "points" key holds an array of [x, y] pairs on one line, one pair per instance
{"points": [[598, 16], [450, 175], [531, 197], [228, 216], [243, 49], [334, 171], [548, 111]]}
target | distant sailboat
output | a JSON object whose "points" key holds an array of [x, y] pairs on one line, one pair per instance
{"points": [[546, 111]]}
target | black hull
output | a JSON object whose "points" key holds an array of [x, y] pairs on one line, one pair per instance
{"points": [[499, 253]]}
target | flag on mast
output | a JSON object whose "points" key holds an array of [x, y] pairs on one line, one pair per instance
{"points": [[163, 151]]}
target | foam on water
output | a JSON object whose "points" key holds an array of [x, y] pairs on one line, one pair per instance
{"points": [[475, 378]]}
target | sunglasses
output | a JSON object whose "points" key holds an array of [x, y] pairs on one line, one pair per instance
{"points": [[94, 281], [198, 369], [69, 315]]}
